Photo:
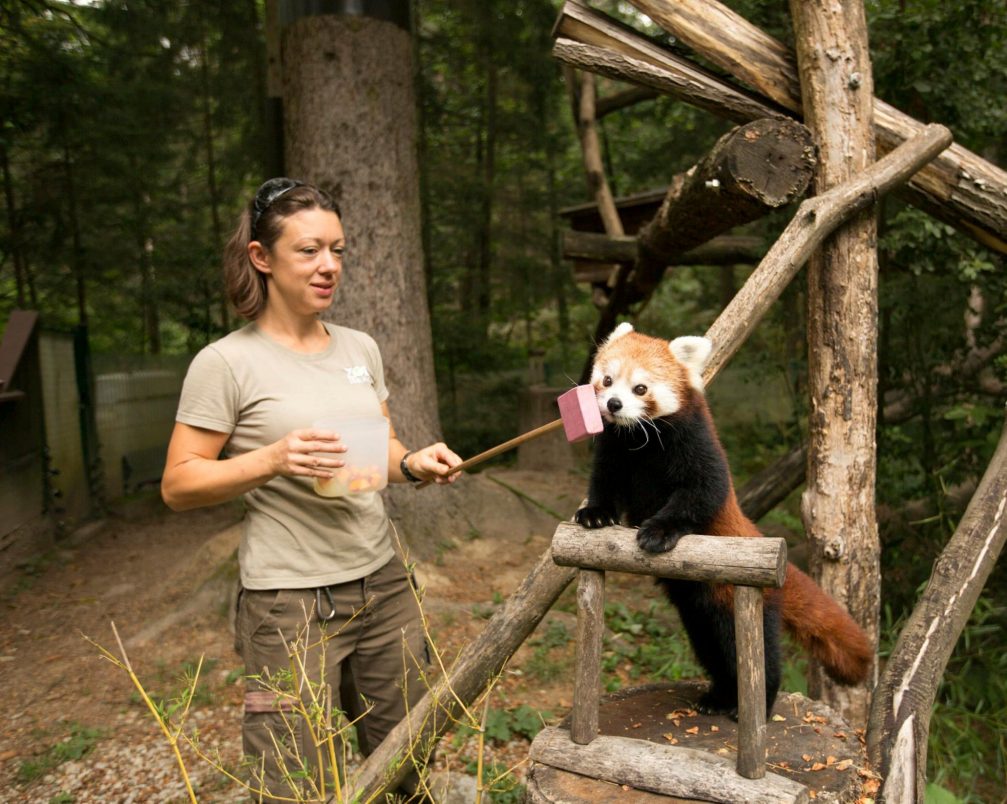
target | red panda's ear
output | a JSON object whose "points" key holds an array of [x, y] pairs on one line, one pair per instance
{"points": [[624, 328], [692, 352]]}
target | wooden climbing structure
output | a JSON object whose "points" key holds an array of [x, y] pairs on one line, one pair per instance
{"points": [[781, 101]]}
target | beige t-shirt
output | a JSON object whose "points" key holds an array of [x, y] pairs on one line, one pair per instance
{"points": [[252, 387]]}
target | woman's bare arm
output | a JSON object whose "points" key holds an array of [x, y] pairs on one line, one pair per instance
{"points": [[194, 477]]}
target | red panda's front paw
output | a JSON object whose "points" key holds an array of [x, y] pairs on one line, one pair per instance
{"points": [[594, 516], [657, 537]]}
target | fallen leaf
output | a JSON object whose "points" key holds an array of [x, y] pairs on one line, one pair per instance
{"points": [[671, 738], [840, 735], [844, 764], [806, 757], [819, 766], [693, 730], [830, 760], [714, 728], [779, 718], [636, 725]]}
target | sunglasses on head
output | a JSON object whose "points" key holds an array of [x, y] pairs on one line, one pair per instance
{"points": [[267, 193]]}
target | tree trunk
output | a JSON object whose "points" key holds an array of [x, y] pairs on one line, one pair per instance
{"points": [[213, 193], [838, 502], [14, 236], [900, 712], [350, 128], [960, 187]]}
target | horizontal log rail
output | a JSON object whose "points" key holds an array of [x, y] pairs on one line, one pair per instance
{"points": [[721, 559]]}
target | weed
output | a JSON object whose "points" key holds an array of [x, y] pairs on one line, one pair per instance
{"points": [[543, 664], [63, 797], [79, 743], [643, 644]]}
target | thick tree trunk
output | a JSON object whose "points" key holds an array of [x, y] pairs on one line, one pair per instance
{"points": [[900, 712], [838, 502], [960, 187], [350, 127]]}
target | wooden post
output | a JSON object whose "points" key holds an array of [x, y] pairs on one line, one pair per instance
{"points": [[751, 654], [838, 500], [590, 629]]}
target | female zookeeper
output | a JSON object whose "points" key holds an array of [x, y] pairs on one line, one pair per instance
{"points": [[309, 564]]}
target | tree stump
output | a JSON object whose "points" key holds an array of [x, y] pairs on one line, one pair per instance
{"points": [[807, 743]]}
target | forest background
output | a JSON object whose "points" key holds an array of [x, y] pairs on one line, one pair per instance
{"points": [[132, 133]]}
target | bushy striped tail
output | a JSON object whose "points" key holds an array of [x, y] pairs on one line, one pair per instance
{"points": [[825, 630]]}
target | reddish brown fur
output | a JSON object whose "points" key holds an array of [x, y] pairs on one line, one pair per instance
{"points": [[818, 623]]}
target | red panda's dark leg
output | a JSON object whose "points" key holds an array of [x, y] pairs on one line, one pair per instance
{"points": [[709, 622]]}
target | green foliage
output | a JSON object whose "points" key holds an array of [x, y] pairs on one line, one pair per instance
{"points": [[645, 645], [550, 660], [77, 744]]}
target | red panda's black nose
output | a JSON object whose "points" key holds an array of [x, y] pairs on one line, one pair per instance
{"points": [[614, 405]]}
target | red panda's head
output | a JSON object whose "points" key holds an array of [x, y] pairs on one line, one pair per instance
{"points": [[637, 377]]}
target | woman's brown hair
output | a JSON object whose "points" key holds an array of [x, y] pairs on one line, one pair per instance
{"points": [[262, 220]]}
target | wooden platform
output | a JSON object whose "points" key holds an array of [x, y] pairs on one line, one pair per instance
{"points": [[807, 743]]}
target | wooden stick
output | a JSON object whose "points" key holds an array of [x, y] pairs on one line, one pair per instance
{"points": [[590, 630], [500, 448], [751, 659]]}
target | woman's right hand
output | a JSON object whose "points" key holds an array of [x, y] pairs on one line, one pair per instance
{"points": [[297, 453]]}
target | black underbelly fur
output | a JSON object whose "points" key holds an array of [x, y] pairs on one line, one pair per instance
{"points": [[668, 481]]}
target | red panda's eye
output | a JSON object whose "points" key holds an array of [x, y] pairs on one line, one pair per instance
{"points": [[607, 382], [640, 390]]}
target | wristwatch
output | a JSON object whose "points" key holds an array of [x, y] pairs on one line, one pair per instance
{"points": [[404, 468]]}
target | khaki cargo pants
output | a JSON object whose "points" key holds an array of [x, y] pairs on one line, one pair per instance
{"points": [[370, 654]]}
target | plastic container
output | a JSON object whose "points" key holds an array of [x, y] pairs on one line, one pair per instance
{"points": [[366, 456]]}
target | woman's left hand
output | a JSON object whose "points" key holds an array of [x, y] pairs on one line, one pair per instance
{"points": [[434, 463]]}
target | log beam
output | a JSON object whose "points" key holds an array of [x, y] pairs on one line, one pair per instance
{"points": [[596, 247], [716, 559], [750, 171], [959, 187], [903, 701], [815, 220], [670, 770], [838, 501]]}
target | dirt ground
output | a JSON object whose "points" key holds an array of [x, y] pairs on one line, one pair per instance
{"points": [[76, 730]]}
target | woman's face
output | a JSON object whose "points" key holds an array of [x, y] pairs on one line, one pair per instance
{"points": [[305, 263]]}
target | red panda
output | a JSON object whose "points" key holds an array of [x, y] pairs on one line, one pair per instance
{"points": [[659, 466]]}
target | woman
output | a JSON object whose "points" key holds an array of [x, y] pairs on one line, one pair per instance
{"points": [[307, 562]]}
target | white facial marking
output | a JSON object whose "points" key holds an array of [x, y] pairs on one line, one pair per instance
{"points": [[665, 400]]}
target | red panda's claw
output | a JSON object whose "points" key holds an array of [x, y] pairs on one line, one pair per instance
{"points": [[593, 516]]}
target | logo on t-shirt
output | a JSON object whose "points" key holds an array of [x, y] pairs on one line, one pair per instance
{"points": [[358, 374]]}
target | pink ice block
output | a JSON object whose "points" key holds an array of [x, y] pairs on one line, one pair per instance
{"points": [[578, 408]]}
